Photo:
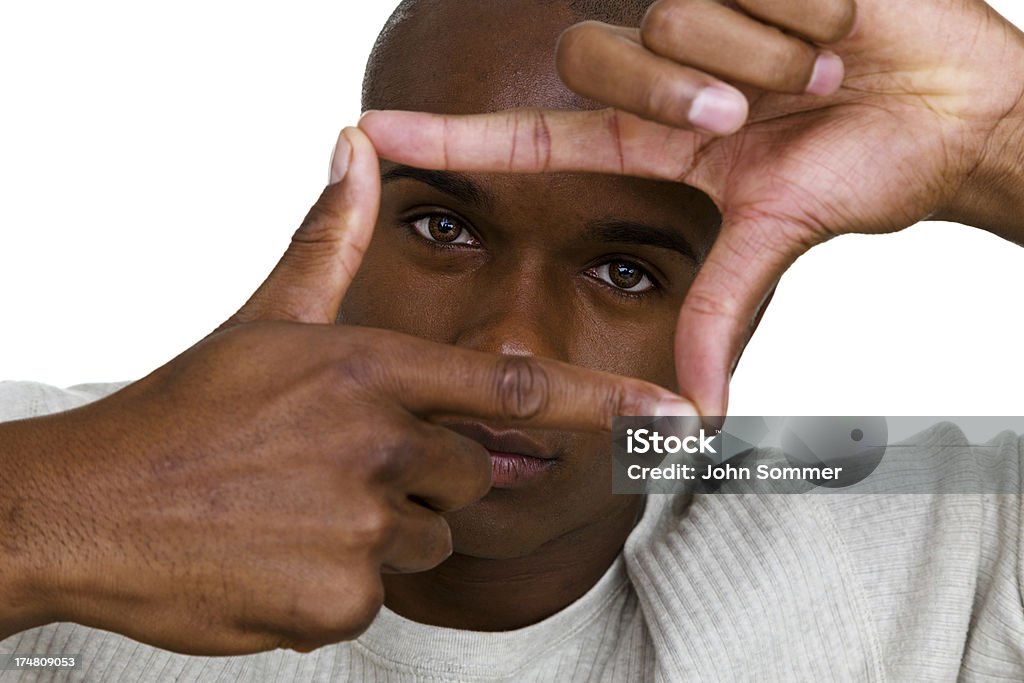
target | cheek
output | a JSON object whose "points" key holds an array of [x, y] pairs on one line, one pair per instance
{"points": [[389, 293], [394, 291], [634, 345]]}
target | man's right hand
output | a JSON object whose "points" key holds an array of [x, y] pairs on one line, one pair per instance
{"points": [[247, 495]]}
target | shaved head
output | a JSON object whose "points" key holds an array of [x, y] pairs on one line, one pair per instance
{"points": [[431, 51]]}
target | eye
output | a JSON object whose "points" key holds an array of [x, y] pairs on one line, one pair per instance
{"points": [[443, 229], [624, 275]]}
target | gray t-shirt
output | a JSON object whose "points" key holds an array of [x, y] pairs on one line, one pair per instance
{"points": [[850, 587]]}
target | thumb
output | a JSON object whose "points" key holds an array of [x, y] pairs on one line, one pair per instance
{"points": [[724, 304], [310, 281]]}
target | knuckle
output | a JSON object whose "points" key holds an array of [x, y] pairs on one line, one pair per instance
{"points": [[788, 66], [576, 39], [706, 305], [664, 24], [258, 341], [320, 223], [542, 144], [361, 367], [475, 481], [823, 21], [661, 101], [618, 400], [838, 17], [361, 608], [634, 397], [330, 615], [573, 53], [389, 456], [481, 484], [522, 388], [372, 529], [438, 544]]}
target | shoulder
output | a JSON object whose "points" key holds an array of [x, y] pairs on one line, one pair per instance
{"points": [[19, 400], [918, 571], [941, 567]]}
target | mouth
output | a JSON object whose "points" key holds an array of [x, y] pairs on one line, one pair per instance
{"points": [[516, 459]]}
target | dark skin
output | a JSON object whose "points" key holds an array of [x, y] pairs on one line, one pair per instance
{"points": [[586, 269], [251, 493], [178, 510], [927, 122]]}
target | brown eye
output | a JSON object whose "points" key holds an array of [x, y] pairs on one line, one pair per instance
{"points": [[443, 229], [624, 275]]}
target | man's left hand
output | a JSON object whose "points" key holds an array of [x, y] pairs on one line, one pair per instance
{"points": [[928, 123]]}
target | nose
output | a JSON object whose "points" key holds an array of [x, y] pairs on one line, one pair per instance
{"points": [[520, 314]]}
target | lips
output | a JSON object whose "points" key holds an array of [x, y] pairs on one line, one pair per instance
{"points": [[510, 441], [516, 459]]}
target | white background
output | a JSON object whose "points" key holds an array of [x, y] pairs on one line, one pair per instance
{"points": [[155, 158]]}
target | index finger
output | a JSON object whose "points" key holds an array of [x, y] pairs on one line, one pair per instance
{"points": [[534, 141], [434, 379]]}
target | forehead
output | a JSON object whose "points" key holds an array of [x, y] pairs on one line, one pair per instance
{"points": [[466, 57], [474, 56]]}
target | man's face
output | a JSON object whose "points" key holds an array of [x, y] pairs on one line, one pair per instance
{"points": [[586, 269]]}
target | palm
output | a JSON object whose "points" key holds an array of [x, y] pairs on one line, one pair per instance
{"points": [[878, 156], [825, 178]]}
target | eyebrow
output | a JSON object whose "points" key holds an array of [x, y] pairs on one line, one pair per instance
{"points": [[454, 185], [628, 232], [464, 189]]}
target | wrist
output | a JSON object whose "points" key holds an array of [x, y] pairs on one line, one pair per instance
{"points": [[32, 503], [991, 196]]}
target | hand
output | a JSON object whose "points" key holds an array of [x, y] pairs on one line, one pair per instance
{"points": [[927, 123], [248, 494]]}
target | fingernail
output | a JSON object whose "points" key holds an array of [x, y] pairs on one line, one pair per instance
{"points": [[828, 74], [340, 159], [674, 407], [719, 109]]}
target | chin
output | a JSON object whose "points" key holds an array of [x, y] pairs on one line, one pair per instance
{"points": [[497, 528]]}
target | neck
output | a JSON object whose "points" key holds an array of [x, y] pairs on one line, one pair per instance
{"points": [[483, 594]]}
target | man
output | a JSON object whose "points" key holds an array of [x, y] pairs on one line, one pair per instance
{"points": [[552, 577]]}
